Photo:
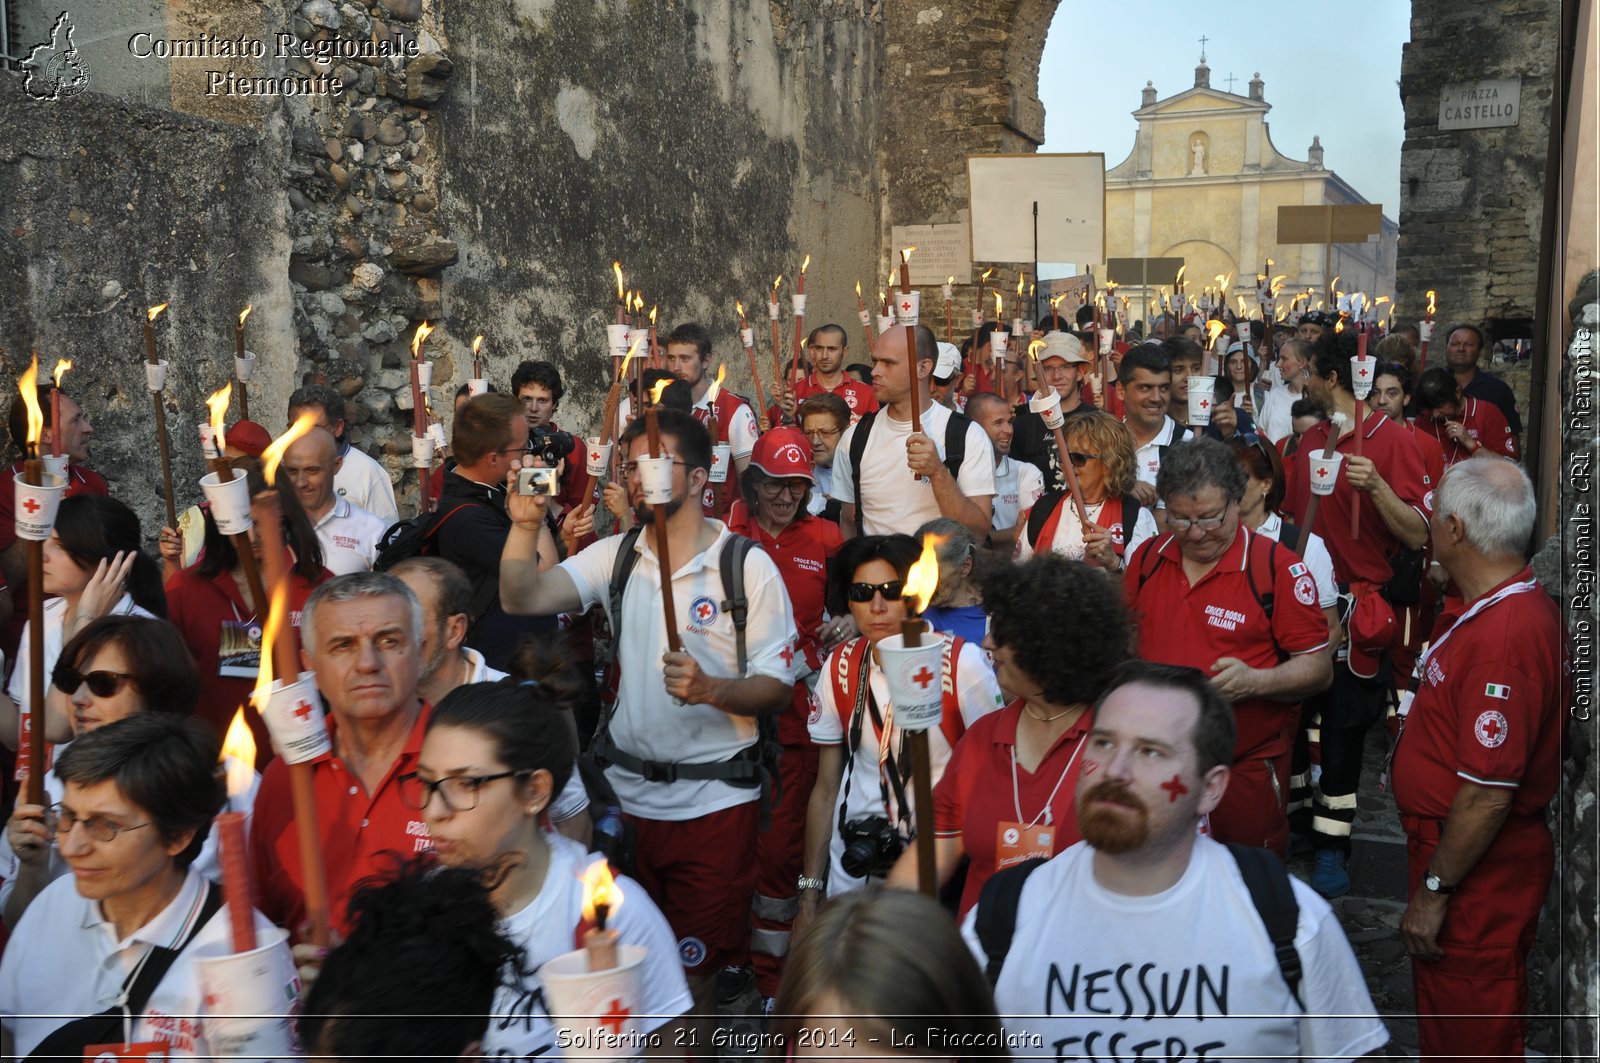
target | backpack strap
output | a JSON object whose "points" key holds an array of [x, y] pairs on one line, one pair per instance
{"points": [[1273, 896], [996, 919], [734, 551], [955, 443], [621, 569], [858, 450], [1146, 570], [1263, 598], [1044, 516]]}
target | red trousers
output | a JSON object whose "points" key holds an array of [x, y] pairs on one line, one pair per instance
{"points": [[780, 857], [1255, 807], [1473, 1003]]}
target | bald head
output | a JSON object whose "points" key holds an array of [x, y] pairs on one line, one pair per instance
{"points": [[310, 463], [892, 359], [1492, 500]]}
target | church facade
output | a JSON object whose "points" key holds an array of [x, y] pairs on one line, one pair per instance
{"points": [[1204, 183]]}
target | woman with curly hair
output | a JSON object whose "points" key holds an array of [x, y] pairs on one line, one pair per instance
{"points": [[1007, 793], [1100, 448]]}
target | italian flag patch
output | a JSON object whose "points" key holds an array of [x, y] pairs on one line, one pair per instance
{"points": [[1495, 690]]}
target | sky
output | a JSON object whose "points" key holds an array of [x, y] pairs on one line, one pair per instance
{"points": [[1345, 88]]}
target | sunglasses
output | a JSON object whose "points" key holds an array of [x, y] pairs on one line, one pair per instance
{"points": [[1080, 460], [101, 684], [863, 592]]}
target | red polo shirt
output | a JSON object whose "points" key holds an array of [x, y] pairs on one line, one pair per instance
{"points": [[1195, 625], [361, 833], [80, 481], [974, 796], [801, 552], [856, 395], [1432, 457], [199, 607], [1484, 422], [1490, 707], [1398, 461]]}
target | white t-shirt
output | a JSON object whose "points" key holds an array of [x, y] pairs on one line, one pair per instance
{"points": [[365, 483], [349, 536], [978, 695], [1147, 459], [895, 501], [1316, 557], [1017, 486], [1190, 970], [208, 862], [1272, 412], [520, 1027], [64, 959], [1068, 541], [741, 428], [646, 723], [822, 491]]}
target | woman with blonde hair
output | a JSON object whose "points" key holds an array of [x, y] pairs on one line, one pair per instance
{"points": [[887, 965], [1100, 448]]}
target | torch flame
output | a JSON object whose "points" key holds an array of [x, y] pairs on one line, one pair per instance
{"points": [[1021, 277], [599, 888], [775, 284], [905, 253], [716, 385], [1430, 302], [616, 267], [1177, 282], [1338, 326], [999, 305], [477, 345], [923, 578], [239, 755], [806, 264], [1214, 329], [655, 392], [638, 302], [858, 291], [652, 317], [986, 274], [622, 371], [245, 313], [154, 312], [1277, 283], [28, 387], [1033, 349], [276, 611], [62, 365], [273, 455], [424, 330], [217, 403], [951, 279], [738, 305]]}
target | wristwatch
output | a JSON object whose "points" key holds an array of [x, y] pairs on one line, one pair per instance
{"points": [[808, 883], [1432, 884]]}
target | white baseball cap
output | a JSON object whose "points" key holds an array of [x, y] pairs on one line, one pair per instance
{"points": [[949, 361]]}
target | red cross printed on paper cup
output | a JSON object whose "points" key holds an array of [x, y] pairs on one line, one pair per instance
{"points": [[1325, 473], [1362, 372], [599, 457], [908, 308], [915, 691], [923, 678], [293, 715], [35, 507], [594, 1007], [1202, 392], [244, 995]]}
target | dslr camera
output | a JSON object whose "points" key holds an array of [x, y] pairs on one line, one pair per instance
{"points": [[551, 445], [871, 846]]}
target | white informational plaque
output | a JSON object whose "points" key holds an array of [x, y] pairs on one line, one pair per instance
{"points": [[1070, 191]]}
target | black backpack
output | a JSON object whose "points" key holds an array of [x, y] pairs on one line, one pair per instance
{"points": [[417, 537], [756, 765], [955, 450], [1264, 876]]}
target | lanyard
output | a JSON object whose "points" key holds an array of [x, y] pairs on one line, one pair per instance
{"points": [[1504, 592], [1016, 793]]}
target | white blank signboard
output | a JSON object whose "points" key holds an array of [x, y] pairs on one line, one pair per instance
{"points": [[1070, 191]]}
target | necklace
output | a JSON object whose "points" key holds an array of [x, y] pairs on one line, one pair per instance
{"points": [[1027, 708]]}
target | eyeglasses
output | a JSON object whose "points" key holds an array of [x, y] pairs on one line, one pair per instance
{"points": [[794, 486], [630, 469], [460, 792], [102, 684], [825, 433], [1079, 459], [864, 592], [60, 820], [1205, 524]]}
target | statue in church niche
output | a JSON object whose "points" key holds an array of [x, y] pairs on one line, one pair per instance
{"points": [[1197, 153]]}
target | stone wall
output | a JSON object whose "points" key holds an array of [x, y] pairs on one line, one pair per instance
{"points": [[1471, 200], [94, 234]]}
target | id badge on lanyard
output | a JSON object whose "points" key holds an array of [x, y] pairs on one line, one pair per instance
{"points": [[239, 650], [1017, 842], [153, 1051]]}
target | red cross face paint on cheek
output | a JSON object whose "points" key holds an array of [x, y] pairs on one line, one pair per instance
{"points": [[1090, 767], [1175, 788]]}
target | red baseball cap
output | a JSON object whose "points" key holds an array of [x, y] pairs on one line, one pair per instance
{"points": [[248, 437], [783, 452], [1372, 630]]}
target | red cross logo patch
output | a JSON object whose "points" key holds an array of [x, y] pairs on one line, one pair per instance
{"points": [[703, 611], [1490, 729]]}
